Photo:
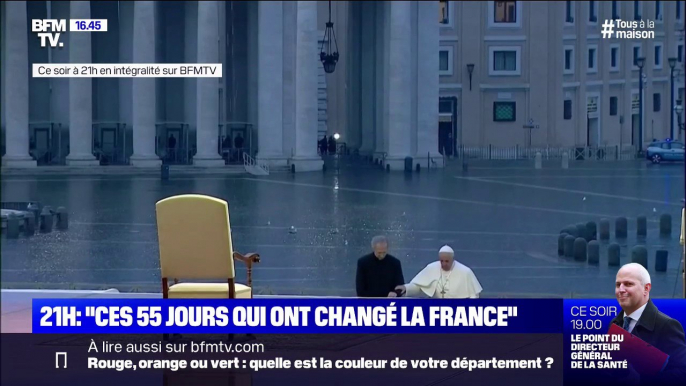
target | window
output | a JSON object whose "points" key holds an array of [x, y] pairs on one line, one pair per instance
{"points": [[637, 54], [445, 107], [444, 12], [569, 60], [615, 10], [504, 60], [613, 105], [445, 61], [505, 12], [504, 112], [592, 12], [678, 10], [568, 109], [657, 61], [680, 53], [592, 58], [656, 102], [569, 12], [658, 11], [637, 10], [614, 57]]}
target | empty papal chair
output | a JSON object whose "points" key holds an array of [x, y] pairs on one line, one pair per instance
{"points": [[196, 251]]}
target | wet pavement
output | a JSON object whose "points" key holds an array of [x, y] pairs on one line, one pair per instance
{"points": [[502, 219]]}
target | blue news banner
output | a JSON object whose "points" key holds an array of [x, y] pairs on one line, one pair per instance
{"points": [[295, 316], [650, 355], [559, 342]]}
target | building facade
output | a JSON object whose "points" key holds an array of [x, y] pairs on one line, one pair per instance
{"points": [[268, 96], [415, 79], [540, 74], [547, 63]]}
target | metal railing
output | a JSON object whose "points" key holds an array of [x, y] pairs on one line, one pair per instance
{"points": [[254, 167], [594, 153], [234, 139], [48, 142], [432, 163], [112, 142], [341, 148], [179, 151]]}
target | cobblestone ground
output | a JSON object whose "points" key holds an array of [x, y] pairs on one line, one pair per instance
{"points": [[501, 218]]}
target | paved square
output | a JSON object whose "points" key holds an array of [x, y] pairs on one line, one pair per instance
{"points": [[502, 219]]}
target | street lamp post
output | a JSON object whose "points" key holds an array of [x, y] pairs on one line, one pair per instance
{"points": [[672, 64], [640, 62], [679, 109]]}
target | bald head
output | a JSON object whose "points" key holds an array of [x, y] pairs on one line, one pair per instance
{"points": [[632, 287], [636, 270]]}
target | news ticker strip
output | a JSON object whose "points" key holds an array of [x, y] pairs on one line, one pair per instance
{"points": [[127, 70], [193, 351], [579, 338], [280, 363], [295, 316], [331, 315], [340, 357]]}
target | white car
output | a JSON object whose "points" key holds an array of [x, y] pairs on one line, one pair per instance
{"points": [[665, 151]]}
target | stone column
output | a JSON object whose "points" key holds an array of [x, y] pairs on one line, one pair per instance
{"points": [[306, 114], [399, 74], [367, 73], [16, 86], [380, 73], [427, 84], [290, 23], [207, 106], [80, 93], [270, 83], [144, 103]]}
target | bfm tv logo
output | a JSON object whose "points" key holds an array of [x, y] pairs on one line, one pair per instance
{"points": [[55, 26]]}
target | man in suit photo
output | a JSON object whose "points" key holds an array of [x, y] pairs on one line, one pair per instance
{"points": [[641, 318]]}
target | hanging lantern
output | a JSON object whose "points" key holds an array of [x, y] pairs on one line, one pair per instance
{"points": [[329, 51]]}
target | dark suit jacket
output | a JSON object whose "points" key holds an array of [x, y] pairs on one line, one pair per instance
{"points": [[665, 334], [376, 278]]}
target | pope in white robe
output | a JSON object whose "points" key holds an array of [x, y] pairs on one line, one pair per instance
{"points": [[445, 278]]}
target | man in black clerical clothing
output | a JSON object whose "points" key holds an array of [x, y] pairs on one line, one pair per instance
{"points": [[641, 318], [378, 273]]}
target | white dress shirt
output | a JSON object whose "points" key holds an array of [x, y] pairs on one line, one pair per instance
{"points": [[635, 316]]}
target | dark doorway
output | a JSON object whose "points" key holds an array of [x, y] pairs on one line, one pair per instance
{"points": [[173, 144], [447, 121], [108, 146], [110, 141], [41, 146], [445, 138]]}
